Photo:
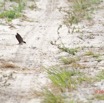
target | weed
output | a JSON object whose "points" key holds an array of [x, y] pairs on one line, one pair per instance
{"points": [[99, 59], [81, 9], [67, 60], [13, 13], [71, 18], [100, 75], [62, 47], [99, 96], [52, 98], [10, 14], [90, 53], [67, 79], [62, 78], [77, 65], [32, 7], [83, 78], [68, 50]]}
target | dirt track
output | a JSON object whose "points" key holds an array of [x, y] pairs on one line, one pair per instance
{"points": [[21, 82], [37, 38]]}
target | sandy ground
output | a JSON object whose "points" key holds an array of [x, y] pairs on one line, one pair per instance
{"points": [[20, 83]]}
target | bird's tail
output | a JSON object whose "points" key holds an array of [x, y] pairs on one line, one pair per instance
{"points": [[24, 42]]}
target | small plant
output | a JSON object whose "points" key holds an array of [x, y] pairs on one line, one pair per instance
{"points": [[68, 50], [13, 13], [83, 78], [99, 96], [78, 65], [81, 9], [62, 78], [66, 79], [62, 47], [90, 53], [50, 97], [99, 59], [100, 76], [32, 7], [71, 18], [10, 14], [67, 60]]}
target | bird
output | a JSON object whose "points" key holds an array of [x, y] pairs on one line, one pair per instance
{"points": [[19, 38]]}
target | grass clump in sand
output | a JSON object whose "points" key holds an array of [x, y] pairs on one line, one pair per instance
{"points": [[66, 79], [90, 53], [99, 96], [50, 97], [69, 60], [13, 12], [100, 75], [81, 9], [10, 14], [63, 81]]}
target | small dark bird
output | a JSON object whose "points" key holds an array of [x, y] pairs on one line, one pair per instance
{"points": [[20, 39]]}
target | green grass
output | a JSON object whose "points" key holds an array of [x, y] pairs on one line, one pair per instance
{"points": [[100, 75], [10, 14], [13, 13], [72, 51], [62, 78], [90, 53], [81, 9], [69, 60], [63, 48], [63, 81], [50, 97], [99, 96], [66, 79], [83, 78]]}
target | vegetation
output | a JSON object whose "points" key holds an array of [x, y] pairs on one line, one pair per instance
{"points": [[63, 80], [90, 53], [10, 14], [100, 75], [68, 50], [81, 9], [99, 96], [14, 11], [50, 97], [70, 60]]}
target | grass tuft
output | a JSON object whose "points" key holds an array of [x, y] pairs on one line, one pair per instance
{"points": [[81, 9], [50, 97], [100, 76], [10, 14], [72, 51], [62, 78], [70, 60], [13, 13], [99, 96]]}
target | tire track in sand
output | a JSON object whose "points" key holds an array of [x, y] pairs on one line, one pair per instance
{"points": [[31, 54]]}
